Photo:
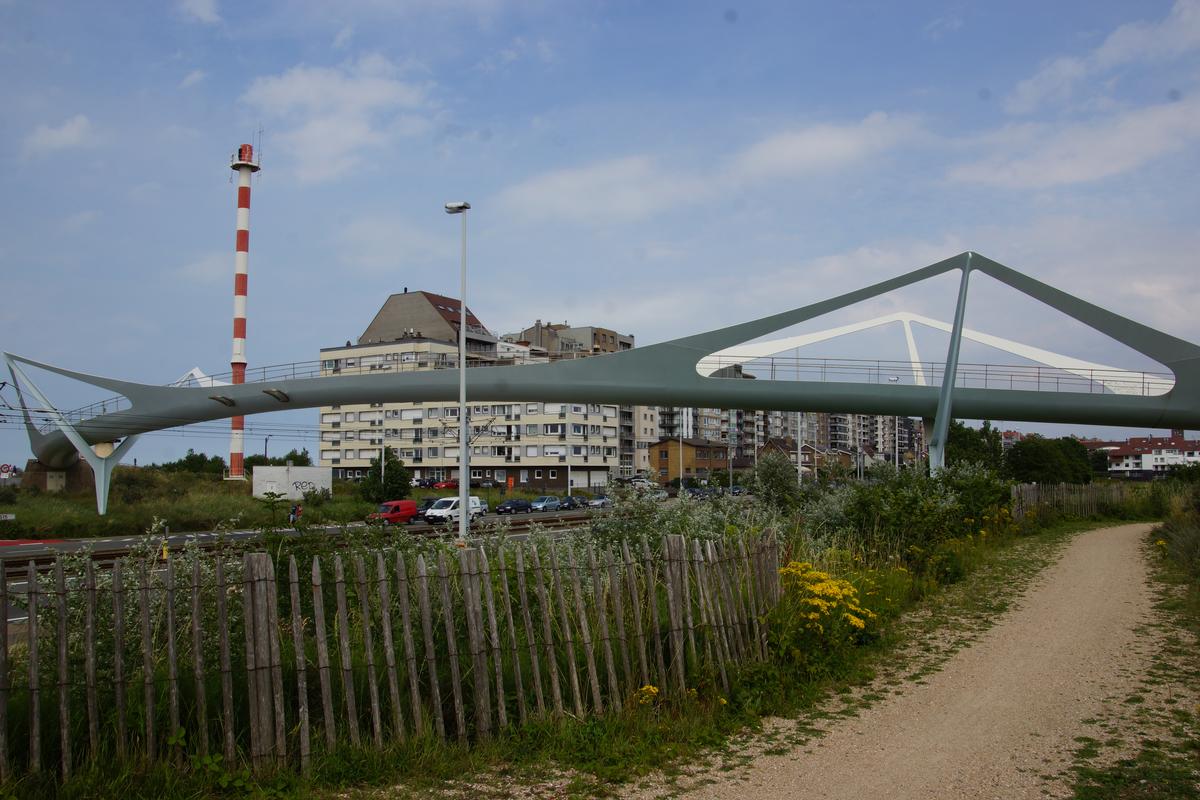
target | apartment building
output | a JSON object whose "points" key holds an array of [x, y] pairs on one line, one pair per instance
{"points": [[558, 339], [701, 458], [537, 445]]}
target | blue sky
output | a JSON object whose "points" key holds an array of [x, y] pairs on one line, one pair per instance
{"points": [[660, 168]]}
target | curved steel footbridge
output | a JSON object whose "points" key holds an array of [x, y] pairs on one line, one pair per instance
{"points": [[687, 371]]}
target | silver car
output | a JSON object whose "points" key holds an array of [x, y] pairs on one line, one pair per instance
{"points": [[546, 503]]}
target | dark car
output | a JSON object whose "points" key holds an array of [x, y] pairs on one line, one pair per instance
{"points": [[572, 503], [515, 506], [425, 504], [738, 491]]}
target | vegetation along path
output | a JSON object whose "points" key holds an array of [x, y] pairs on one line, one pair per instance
{"points": [[1003, 715]]}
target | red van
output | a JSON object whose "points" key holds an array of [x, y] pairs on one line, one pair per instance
{"points": [[395, 512]]}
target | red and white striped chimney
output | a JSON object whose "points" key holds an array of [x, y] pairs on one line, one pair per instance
{"points": [[245, 165]]}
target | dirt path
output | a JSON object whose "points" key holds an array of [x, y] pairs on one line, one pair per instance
{"points": [[1002, 714]]}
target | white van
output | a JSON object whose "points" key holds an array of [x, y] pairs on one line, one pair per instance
{"points": [[446, 510]]}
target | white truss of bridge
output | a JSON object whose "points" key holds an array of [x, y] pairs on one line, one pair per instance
{"points": [[1114, 379]]}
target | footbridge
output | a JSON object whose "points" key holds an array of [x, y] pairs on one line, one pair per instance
{"points": [[686, 371]]}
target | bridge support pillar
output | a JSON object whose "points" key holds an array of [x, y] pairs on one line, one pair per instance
{"points": [[941, 422], [102, 457]]}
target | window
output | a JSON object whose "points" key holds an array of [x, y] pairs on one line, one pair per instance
{"points": [[553, 474], [662, 453], [450, 411], [349, 416], [327, 418], [348, 454], [531, 408], [537, 473], [531, 430], [552, 428], [476, 473], [531, 450], [577, 429], [432, 452]]}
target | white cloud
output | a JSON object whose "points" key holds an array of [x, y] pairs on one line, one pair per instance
{"points": [[343, 37], [937, 28], [1040, 156], [632, 187], [388, 245], [210, 268], [621, 189], [519, 49], [825, 147], [332, 115], [192, 78], [46, 139], [200, 10], [1179, 33], [79, 220]]}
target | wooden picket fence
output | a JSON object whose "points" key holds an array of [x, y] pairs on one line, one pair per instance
{"points": [[232, 658], [1071, 499]]}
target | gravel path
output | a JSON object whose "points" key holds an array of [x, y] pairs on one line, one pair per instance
{"points": [[1001, 716]]}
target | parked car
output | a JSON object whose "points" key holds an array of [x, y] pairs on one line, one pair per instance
{"points": [[425, 504], [446, 510], [572, 503], [396, 512], [514, 506], [738, 491], [600, 501], [446, 485], [546, 503], [657, 494]]}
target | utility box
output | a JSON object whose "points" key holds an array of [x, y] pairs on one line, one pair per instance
{"points": [[291, 482]]}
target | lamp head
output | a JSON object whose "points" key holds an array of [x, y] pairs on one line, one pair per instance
{"points": [[457, 207]]}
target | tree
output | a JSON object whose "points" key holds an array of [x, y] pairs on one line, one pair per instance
{"points": [[299, 458], [966, 445], [392, 483], [775, 480], [196, 462], [1037, 459]]}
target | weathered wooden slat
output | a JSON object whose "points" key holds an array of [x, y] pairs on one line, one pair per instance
{"points": [[635, 602], [752, 598], [616, 595], [89, 655], [35, 682], [229, 744], [460, 716], [198, 663], [410, 653], [5, 678], [684, 554], [172, 661], [670, 569], [253, 709], [721, 587], [485, 577], [479, 672], [530, 632], [737, 587], [64, 677], [568, 634], [710, 632], [343, 621], [383, 589], [364, 601], [585, 632], [510, 629], [435, 696], [324, 670], [271, 599], [305, 744], [716, 611], [547, 631], [147, 659], [614, 690], [651, 574]]}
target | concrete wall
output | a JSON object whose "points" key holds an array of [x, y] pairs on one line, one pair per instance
{"points": [[291, 481]]}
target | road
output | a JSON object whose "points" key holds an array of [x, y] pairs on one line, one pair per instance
{"points": [[1001, 713]]}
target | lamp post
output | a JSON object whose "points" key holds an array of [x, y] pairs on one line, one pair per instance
{"points": [[464, 440], [265, 440]]}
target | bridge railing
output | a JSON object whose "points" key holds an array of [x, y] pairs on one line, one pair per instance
{"points": [[846, 370]]}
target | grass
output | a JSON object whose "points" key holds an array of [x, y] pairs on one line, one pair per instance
{"points": [[1156, 755]]}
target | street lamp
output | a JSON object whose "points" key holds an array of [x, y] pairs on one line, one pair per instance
{"points": [[267, 439], [464, 442], [895, 429]]}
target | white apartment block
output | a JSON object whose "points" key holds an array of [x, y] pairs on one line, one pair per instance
{"points": [[534, 445]]}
